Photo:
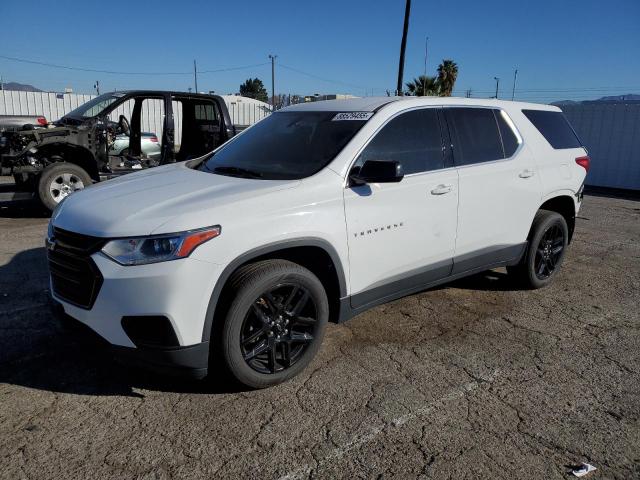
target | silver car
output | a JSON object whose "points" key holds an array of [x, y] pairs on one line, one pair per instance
{"points": [[148, 143]]}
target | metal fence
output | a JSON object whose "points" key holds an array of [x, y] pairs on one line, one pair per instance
{"points": [[243, 111], [611, 133]]}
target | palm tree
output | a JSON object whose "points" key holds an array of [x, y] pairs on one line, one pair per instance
{"points": [[447, 75], [423, 85]]}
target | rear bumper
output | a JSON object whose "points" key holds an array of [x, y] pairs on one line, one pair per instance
{"points": [[188, 362]]}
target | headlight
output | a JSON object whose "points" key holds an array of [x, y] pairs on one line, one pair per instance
{"points": [[158, 248]]}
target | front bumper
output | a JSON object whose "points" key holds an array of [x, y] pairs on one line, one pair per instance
{"points": [[187, 362], [178, 291]]}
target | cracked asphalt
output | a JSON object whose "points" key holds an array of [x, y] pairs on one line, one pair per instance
{"points": [[475, 379]]}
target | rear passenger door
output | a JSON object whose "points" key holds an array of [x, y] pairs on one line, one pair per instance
{"points": [[499, 187], [402, 235]]}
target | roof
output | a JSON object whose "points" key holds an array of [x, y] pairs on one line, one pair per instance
{"points": [[370, 104], [160, 93], [362, 104]]}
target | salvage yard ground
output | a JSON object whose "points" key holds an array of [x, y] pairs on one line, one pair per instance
{"points": [[475, 379]]}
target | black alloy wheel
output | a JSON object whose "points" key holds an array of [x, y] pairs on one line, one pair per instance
{"points": [[274, 323], [278, 328], [548, 252], [547, 245]]}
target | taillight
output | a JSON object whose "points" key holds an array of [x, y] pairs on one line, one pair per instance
{"points": [[153, 139], [583, 162], [42, 121]]}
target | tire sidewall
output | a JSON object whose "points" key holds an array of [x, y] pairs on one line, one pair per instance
{"points": [[551, 220], [234, 320], [53, 171]]}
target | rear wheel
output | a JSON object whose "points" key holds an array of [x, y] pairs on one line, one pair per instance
{"points": [[275, 323], [547, 246], [59, 180]]}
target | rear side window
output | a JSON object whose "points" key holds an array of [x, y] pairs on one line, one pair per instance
{"points": [[554, 127], [206, 111], [412, 138], [475, 135], [509, 139]]}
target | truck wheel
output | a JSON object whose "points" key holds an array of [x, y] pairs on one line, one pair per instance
{"points": [[275, 322], [545, 252], [60, 180]]}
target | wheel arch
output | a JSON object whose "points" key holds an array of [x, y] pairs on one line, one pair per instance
{"points": [[75, 154], [565, 206], [315, 254]]}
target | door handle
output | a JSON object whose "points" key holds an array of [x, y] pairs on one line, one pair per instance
{"points": [[441, 189], [526, 173]]}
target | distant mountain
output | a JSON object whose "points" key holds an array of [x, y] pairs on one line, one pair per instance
{"points": [[629, 97], [20, 87], [619, 98], [563, 103]]}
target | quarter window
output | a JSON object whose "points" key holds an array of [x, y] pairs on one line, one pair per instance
{"points": [[412, 138], [554, 127], [475, 135]]}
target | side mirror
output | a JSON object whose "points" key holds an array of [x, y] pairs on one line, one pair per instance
{"points": [[377, 171]]}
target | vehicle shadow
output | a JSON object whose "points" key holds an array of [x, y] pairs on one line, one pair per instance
{"points": [[489, 281], [38, 351]]}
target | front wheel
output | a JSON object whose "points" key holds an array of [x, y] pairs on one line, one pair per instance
{"points": [[59, 180], [275, 323], [545, 252]]}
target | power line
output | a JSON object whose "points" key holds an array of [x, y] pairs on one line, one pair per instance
{"points": [[113, 72], [328, 80], [229, 69]]}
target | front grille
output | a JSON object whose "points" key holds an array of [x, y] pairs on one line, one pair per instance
{"points": [[74, 275]]}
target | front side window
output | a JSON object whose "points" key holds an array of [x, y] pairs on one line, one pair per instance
{"points": [[475, 135], [95, 106], [412, 138], [285, 146]]}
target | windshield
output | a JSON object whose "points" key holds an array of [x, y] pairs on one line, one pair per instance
{"points": [[94, 107], [285, 146]]}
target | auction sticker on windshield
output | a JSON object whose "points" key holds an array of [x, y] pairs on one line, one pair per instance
{"points": [[352, 116]]}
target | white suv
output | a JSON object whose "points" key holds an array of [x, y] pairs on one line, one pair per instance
{"points": [[320, 211]]}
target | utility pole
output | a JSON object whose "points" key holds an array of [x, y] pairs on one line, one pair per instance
{"points": [[497, 85], [403, 46], [195, 75], [273, 82], [515, 78], [426, 53]]}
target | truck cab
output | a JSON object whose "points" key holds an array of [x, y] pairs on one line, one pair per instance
{"points": [[86, 145]]}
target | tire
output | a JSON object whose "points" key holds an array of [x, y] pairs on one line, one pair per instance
{"points": [[546, 249], [60, 180], [262, 328]]}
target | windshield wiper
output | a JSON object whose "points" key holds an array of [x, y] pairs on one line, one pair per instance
{"points": [[236, 172]]}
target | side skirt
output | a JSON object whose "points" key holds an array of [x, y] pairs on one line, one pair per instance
{"points": [[469, 265]]}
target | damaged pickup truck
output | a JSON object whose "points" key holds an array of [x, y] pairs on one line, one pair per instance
{"points": [[85, 146]]}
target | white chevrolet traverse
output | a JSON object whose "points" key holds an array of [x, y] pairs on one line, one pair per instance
{"points": [[239, 259]]}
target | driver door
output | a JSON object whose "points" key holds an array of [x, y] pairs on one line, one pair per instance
{"points": [[402, 235]]}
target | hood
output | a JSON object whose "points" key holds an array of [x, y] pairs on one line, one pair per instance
{"points": [[142, 203]]}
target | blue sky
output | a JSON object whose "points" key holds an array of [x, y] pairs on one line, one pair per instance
{"points": [[562, 48]]}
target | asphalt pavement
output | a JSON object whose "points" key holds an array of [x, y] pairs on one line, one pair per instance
{"points": [[475, 379]]}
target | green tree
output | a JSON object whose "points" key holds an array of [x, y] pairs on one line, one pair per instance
{"points": [[254, 88], [423, 85], [447, 76]]}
